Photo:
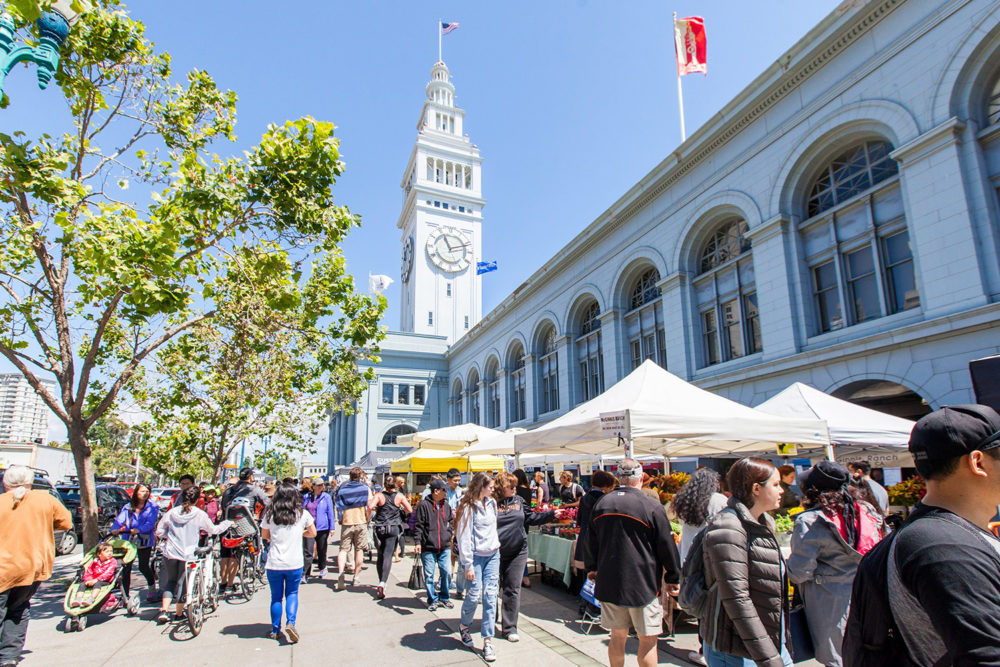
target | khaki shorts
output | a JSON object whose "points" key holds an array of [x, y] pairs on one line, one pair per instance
{"points": [[356, 536], [647, 621]]}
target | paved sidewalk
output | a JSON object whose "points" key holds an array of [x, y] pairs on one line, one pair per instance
{"points": [[336, 626]]}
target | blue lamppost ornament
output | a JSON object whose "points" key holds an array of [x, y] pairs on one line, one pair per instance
{"points": [[53, 29]]}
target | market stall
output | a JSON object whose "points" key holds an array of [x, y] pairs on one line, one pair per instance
{"points": [[449, 437], [421, 459], [666, 416], [855, 431]]}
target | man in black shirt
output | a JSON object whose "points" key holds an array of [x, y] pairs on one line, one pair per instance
{"points": [[944, 567], [629, 546]]}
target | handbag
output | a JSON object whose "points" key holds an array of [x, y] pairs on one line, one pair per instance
{"points": [[416, 582], [798, 627]]}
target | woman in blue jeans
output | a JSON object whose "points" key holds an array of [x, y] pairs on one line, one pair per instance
{"points": [[285, 523], [479, 555]]}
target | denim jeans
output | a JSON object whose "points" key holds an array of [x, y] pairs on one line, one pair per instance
{"points": [[485, 585], [441, 560], [717, 659], [284, 586]]}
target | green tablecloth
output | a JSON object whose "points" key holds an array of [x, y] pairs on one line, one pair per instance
{"points": [[555, 552]]}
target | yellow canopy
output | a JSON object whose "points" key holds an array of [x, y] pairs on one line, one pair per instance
{"points": [[436, 460]]}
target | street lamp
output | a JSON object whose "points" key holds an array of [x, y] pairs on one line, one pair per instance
{"points": [[53, 28]]}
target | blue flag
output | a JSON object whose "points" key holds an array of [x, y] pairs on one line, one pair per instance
{"points": [[485, 267]]}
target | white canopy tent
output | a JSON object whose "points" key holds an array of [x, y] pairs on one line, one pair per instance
{"points": [[856, 432], [448, 437], [669, 417]]}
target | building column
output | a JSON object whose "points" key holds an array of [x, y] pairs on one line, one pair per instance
{"points": [[946, 258], [612, 347], [482, 404], [776, 270], [530, 399], [466, 410], [502, 395], [678, 323], [564, 356], [371, 422]]}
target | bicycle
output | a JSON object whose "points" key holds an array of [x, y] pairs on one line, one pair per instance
{"points": [[202, 584], [249, 569]]}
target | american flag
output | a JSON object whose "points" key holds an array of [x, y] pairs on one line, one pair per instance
{"points": [[448, 27]]}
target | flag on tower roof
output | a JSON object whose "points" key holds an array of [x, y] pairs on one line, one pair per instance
{"points": [[690, 45], [448, 27], [485, 267]]}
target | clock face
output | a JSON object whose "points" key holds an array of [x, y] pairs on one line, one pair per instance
{"points": [[449, 249], [407, 262]]}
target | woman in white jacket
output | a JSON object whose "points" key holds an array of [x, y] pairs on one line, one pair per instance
{"points": [[479, 554], [181, 528]]}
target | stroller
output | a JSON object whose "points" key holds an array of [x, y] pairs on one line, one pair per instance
{"points": [[123, 552], [590, 607]]}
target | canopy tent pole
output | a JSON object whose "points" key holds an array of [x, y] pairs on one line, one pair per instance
{"points": [[829, 453]]}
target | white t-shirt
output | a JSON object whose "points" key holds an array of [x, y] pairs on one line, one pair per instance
{"points": [[285, 552]]}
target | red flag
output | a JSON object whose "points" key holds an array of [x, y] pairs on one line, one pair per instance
{"points": [[690, 45]]}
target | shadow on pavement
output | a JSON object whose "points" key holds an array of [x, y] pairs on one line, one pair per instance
{"points": [[248, 630], [435, 637], [402, 606]]}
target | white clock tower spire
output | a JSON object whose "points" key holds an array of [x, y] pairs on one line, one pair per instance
{"points": [[441, 220]]}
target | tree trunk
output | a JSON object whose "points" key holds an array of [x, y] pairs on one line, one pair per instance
{"points": [[85, 475]]}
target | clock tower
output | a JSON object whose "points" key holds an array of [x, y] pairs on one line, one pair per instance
{"points": [[441, 220]]}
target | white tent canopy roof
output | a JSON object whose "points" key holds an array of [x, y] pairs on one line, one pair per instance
{"points": [[501, 444], [448, 437], [669, 417]]}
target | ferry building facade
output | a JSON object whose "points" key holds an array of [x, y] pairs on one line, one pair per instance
{"points": [[837, 223]]}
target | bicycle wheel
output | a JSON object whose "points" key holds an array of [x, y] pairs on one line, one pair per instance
{"points": [[195, 604], [212, 590], [248, 583]]}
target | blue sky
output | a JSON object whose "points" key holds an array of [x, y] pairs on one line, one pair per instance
{"points": [[570, 101]]}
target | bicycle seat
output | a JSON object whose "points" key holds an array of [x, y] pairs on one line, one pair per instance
{"points": [[201, 552]]}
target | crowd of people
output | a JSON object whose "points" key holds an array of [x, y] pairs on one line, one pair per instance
{"points": [[727, 568]]}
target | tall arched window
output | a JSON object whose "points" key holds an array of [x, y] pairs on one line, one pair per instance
{"points": [[515, 374], [590, 353], [644, 320], [989, 141], [492, 394], [390, 436], [726, 295], [993, 103], [457, 403], [548, 372], [474, 414], [855, 239]]}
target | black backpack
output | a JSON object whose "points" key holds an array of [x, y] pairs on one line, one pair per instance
{"points": [[693, 597], [871, 636]]}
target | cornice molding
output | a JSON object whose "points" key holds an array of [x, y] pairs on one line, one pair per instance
{"points": [[930, 142], [768, 229], [675, 280]]}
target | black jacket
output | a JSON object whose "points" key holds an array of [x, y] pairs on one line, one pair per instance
{"points": [[583, 514], [630, 545], [432, 525], [513, 519]]}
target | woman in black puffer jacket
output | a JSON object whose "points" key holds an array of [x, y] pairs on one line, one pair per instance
{"points": [[745, 572]]}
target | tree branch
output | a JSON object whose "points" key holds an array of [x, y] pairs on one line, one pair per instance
{"points": [[35, 383], [95, 344]]}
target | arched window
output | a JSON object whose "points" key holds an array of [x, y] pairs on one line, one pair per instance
{"points": [[590, 353], [849, 174], [855, 240], [515, 373], [993, 104], [644, 321], [390, 436], [726, 295], [457, 403], [548, 372], [474, 414], [492, 395]]}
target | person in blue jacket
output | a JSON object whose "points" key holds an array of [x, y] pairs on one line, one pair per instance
{"points": [[136, 523], [318, 503]]}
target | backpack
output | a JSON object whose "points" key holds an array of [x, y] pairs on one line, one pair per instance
{"points": [[693, 597], [871, 636]]}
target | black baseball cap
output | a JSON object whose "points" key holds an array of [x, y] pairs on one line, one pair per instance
{"points": [[438, 484], [246, 474], [954, 431], [825, 476]]}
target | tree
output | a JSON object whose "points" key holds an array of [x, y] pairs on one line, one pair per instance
{"points": [[93, 284]]}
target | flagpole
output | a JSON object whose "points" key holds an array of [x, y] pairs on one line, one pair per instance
{"points": [[439, 41], [680, 91]]}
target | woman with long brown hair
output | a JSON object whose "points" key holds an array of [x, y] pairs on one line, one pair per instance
{"points": [[136, 523], [479, 553], [388, 506], [745, 573]]}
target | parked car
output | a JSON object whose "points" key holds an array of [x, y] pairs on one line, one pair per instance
{"points": [[162, 497], [110, 500], [65, 540]]}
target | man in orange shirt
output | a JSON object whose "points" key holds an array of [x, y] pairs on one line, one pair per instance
{"points": [[27, 551]]}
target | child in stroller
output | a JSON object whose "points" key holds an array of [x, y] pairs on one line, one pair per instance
{"points": [[92, 591], [100, 571]]}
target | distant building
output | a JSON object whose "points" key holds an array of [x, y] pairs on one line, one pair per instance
{"points": [[310, 470], [837, 223], [24, 417]]}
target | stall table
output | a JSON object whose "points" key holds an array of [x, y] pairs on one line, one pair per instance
{"points": [[555, 552]]}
